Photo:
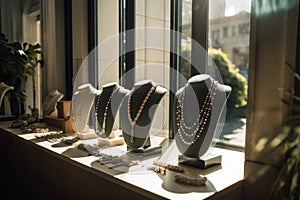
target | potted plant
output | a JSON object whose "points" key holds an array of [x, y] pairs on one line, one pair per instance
{"points": [[16, 63], [12, 72], [33, 59], [287, 184]]}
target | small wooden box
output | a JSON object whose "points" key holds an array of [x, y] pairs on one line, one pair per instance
{"points": [[65, 125], [63, 109]]}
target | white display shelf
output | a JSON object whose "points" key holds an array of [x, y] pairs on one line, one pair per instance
{"points": [[220, 177]]}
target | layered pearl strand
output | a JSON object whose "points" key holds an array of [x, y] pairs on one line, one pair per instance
{"points": [[140, 110], [201, 120], [103, 127]]}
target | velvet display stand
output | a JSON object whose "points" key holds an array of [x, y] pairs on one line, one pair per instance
{"points": [[204, 162], [137, 118], [197, 128], [146, 150]]}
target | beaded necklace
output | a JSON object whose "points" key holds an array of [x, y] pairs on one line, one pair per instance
{"points": [[201, 118], [103, 127], [196, 121], [138, 114]]}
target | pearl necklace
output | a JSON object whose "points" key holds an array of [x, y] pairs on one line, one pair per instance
{"points": [[138, 114], [201, 119], [196, 123], [103, 127]]}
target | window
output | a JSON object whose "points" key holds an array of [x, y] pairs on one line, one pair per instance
{"points": [[225, 32], [244, 29], [233, 31], [189, 17], [222, 15], [137, 60], [236, 47], [215, 34], [185, 27]]}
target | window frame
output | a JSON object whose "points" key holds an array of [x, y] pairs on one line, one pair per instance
{"points": [[200, 16], [68, 48], [126, 23]]}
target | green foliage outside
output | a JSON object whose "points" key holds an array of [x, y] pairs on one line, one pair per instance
{"points": [[33, 53], [231, 76], [229, 72], [185, 66]]}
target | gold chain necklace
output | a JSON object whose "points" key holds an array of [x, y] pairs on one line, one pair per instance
{"points": [[103, 127], [138, 114], [204, 115]]}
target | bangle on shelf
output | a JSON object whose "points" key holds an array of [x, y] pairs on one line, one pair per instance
{"points": [[169, 166], [158, 169], [134, 162], [116, 161], [190, 180], [51, 136], [91, 149], [70, 141]]}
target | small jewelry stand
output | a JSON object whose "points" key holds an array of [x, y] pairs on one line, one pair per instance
{"points": [[50, 103], [62, 120], [3, 90], [146, 150], [82, 102], [136, 119], [114, 139], [87, 134], [106, 106], [203, 162], [57, 114], [196, 129]]}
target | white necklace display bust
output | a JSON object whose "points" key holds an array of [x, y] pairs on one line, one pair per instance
{"points": [[82, 102]]}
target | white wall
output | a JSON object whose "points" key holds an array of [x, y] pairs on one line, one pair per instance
{"points": [[108, 43], [79, 40], [153, 63], [52, 17]]}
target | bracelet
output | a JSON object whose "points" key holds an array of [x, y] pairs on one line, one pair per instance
{"points": [[50, 136], [70, 141], [169, 166], [158, 169], [190, 180]]}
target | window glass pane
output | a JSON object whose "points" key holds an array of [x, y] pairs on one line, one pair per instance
{"points": [[108, 31], [229, 32], [185, 27], [152, 58]]}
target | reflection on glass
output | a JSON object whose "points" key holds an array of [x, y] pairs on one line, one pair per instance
{"points": [[185, 27], [229, 33]]}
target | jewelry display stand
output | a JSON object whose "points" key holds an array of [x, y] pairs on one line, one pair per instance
{"points": [[136, 119], [50, 102], [3, 89], [52, 110], [106, 107], [82, 102], [203, 162], [62, 120], [196, 128]]}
